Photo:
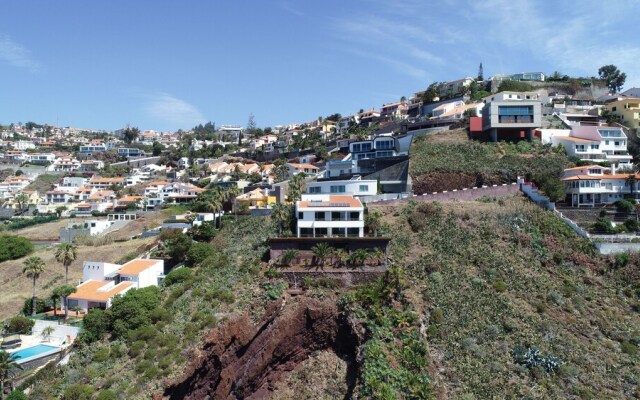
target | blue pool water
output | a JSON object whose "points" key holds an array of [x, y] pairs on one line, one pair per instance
{"points": [[33, 351]]}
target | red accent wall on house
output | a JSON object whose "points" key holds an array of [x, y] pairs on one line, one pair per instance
{"points": [[475, 124]]}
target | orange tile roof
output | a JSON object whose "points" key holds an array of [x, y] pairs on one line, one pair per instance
{"points": [[309, 166], [352, 201], [585, 167], [130, 198], [90, 290], [575, 139], [583, 177], [134, 267], [106, 180]]}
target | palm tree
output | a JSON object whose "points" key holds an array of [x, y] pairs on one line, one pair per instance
{"points": [[47, 332], [66, 254], [341, 257], [372, 221], [288, 256], [377, 255], [321, 252], [64, 292], [8, 366], [33, 268], [21, 199], [358, 257]]}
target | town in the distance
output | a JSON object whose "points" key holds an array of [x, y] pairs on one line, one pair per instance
{"points": [[138, 251]]}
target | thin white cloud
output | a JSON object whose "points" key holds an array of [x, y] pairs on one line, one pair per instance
{"points": [[15, 54], [166, 108], [288, 7]]}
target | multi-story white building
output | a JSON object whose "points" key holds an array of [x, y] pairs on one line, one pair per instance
{"points": [[329, 215], [92, 148], [355, 187], [130, 152], [593, 185], [41, 158], [23, 145], [596, 144]]}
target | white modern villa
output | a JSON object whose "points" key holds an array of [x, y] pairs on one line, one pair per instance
{"points": [[594, 185], [329, 216]]}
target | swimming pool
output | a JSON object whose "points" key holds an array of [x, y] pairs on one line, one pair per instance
{"points": [[34, 352]]}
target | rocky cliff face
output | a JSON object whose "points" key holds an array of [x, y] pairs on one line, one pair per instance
{"points": [[241, 360]]}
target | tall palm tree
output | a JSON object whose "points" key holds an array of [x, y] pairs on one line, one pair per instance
{"points": [[33, 268], [321, 252], [8, 366], [66, 254]]}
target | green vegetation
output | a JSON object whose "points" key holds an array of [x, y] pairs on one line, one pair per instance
{"points": [[19, 324], [14, 247], [147, 335], [43, 183], [514, 86], [447, 166], [26, 222]]}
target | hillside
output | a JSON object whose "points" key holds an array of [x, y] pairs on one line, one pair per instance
{"points": [[439, 164], [475, 288]]}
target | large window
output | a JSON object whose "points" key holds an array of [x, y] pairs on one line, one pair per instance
{"points": [[580, 148], [364, 188], [338, 189], [611, 133], [384, 145], [314, 189], [320, 216]]}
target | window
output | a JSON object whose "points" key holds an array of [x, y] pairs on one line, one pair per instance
{"points": [[316, 189], [364, 188], [338, 189], [606, 142], [613, 109], [580, 148], [336, 216], [353, 231], [300, 215], [338, 231], [321, 231], [611, 133], [616, 143], [595, 146], [354, 216], [320, 216]]}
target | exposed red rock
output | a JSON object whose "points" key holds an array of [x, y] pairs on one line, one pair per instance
{"points": [[243, 361]]}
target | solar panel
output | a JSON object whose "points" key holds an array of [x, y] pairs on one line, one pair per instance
{"points": [[312, 204]]}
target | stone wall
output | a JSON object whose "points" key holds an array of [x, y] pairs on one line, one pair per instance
{"points": [[342, 278]]}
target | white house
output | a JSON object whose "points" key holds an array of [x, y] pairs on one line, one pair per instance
{"points": [[596, 144], [329, 215], [23, 145], [295, 169], [41, 158], [103, 281], [355, 187], [593, 185]]}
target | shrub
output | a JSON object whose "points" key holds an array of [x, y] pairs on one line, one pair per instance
{"points": [[177, 276], [531, 358], [41, 306], [159, 314], [107, 395], [603, 225], [631, 225], [78, 391], [101, 355], [13, 247], [198, 252], [132, 311], [95, 325], [17, 395], [136, 348], [629, 348], [437, 316], [272, 273], [20, 324], [499, 286], [624, 206]]}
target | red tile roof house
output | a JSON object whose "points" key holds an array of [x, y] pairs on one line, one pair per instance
{"points": [[103, 281]]}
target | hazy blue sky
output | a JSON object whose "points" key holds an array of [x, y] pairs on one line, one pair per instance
{"points": [[169, 64]]}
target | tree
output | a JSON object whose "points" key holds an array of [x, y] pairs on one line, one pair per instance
{"points": [[47, 331], [321, 252], [480, 73], [280, 169], [64, 292], [197, 253], [33, 268], [282, 217], [13, 247], [297, 185], [60, 210], [157, 148], [130, 134], [21, 199], [66, 254], [8, 367], [251, 125], [372, 221], [614, 78], [431, 93], [341, 257]]}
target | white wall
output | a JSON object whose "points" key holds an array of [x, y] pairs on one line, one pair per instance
{"points": [[97, 270]]}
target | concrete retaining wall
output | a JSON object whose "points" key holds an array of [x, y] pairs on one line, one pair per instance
{"points": [[462, 195]]}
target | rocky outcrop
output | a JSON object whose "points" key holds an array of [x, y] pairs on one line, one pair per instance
{"points": [[241, 360]]}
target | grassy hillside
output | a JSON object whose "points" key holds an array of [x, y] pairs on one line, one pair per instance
{"points": [[493, 280], [493, 299], [440, 165]]}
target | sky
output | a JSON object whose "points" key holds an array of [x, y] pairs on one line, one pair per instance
{"points": [[168, 65]]}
